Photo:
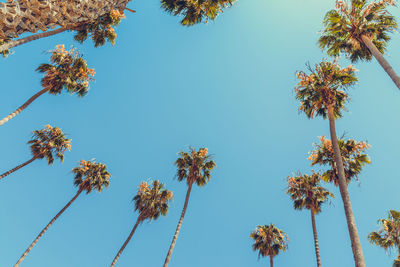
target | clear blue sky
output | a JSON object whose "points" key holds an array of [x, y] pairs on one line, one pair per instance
{"points": [[227, 86]]}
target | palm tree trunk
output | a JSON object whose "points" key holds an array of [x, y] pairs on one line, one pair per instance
{"points": [[271, 261], [382, 61], [314, 227], [31, 38], [171, 248], [351, 222], [126, 242], [46, 228], [17, 168], [24, 106], [19, 17]]}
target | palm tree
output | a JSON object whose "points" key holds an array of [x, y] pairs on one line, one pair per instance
{"points": [[354, 158], [323, 93], [195, 11], [49, 143], [89, 176], [30, 16], [307, 193], [360, 31], [269, 241], [67, 70], [389, 236], [151, 202], [194, 167]]}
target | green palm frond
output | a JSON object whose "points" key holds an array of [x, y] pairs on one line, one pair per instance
{"points": [[306, 192], [67, 70], [354, 158], [269, 240], [195, 166], [151, 202], [195, 11], [349, 21], [389, 235], [91, 175], [49, 143], [101, 29], [324, 86]]}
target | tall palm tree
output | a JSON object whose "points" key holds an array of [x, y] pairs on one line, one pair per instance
{"points": [[49, 143], [89, 176], [195, 11], [194, 167], [354, 158], [323, 93], [67, 70], [389, 236], [360, 30], [29, 16], [269, 241], [150, 202], [307, 193]]}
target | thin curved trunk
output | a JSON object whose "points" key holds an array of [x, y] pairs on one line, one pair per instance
{"points": [[271, 261], [24, 106], [17, 168], [31, 38], [351, 222], [314, 227], [382, 61], [126, 243], [46, 228], [171, 248]]}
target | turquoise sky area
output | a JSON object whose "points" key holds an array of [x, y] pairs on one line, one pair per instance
{"points": [[227, 85]]}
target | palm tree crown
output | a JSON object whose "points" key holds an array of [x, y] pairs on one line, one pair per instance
{"points": [[100, 29], [389, 236], [269, 240], [49, 143], [325, 86], [151, 202], [195, 166], [306, 192], [345, 26], [196, 11], [68, 70], [354, 158], [91, 175]]}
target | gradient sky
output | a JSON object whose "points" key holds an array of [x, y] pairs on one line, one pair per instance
{"points": [[227, 86]]}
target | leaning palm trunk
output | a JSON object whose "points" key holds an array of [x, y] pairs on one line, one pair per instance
{"points": [[314, 227], [24, 106], [271, 261], [382, 61], [46, 228], [126, 242], [17, 168], [18, 17], [31, 38], [351, 222], [171, 248]]}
